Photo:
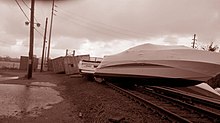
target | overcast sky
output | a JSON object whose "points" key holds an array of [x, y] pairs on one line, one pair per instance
{"points": [[104, 27]]}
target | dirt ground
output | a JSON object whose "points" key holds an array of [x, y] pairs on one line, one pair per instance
{"points": [[84, 102]]}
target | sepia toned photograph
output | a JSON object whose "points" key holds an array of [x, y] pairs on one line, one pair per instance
{"points": [[110, 61]]}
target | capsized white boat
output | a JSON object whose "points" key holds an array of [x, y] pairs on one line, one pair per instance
{"points": [[161, 64]]}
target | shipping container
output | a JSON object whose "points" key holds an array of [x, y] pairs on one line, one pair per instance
{"points": [[66, 64], [58, 65], [71, 65], [24, 63]]}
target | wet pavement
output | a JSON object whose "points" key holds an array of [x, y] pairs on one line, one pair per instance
{"points": [[22, 100], [3, 78]]}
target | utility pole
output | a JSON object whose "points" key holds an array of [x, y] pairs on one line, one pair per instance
{"points": [[73, 52], [194, 41], [42, 58], [45, 60], [66, 52], [31, 47], [51, 23]]}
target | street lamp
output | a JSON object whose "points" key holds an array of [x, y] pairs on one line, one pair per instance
{"points": [[27, 23]]}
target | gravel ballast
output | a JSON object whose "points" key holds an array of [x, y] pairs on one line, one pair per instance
{"points": [[83, 102]]}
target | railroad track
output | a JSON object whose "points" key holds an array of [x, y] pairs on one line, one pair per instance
{"points": [[189, 98], [169, 108]]}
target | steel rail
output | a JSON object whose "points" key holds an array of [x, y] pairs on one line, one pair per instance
{"points": [[204, 112], [194, 98], [143, 102]]}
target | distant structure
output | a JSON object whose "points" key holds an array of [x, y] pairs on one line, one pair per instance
{"points": [[194, 41], [70, 54], [24, 63], [67, 64]]}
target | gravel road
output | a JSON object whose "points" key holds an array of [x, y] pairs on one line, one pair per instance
{"points": [[83, 102]]}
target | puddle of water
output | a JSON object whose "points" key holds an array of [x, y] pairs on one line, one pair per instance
{"points": [[43, 84], [20, 100], [3, 78]]}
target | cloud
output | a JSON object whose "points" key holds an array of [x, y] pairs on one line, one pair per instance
{"points": [[171, 40], [86, 25], [110, 20], [67, 43]]}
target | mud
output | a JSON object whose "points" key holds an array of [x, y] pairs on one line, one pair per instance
{"points": [[20, 100], [82, 101]]}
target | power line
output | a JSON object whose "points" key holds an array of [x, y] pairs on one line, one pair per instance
{"points": [[26, 4], [102, 25], [79, 23], [26, 15], [39, 32], [50, 33], [4, 43], [90, 24], [100, 29], [22, 10], [39, 23], [30, 9]]}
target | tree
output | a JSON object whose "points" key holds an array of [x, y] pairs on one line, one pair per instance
{"points": [[210, 47]]}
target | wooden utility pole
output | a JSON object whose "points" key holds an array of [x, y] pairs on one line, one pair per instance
{"points": [[73, 52], [194, 41], [43, 52], [45, 60], [66, 52], [51, 23], [31, 47]]}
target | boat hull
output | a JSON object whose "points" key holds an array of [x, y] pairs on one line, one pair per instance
{"points": [[179, 67]]}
